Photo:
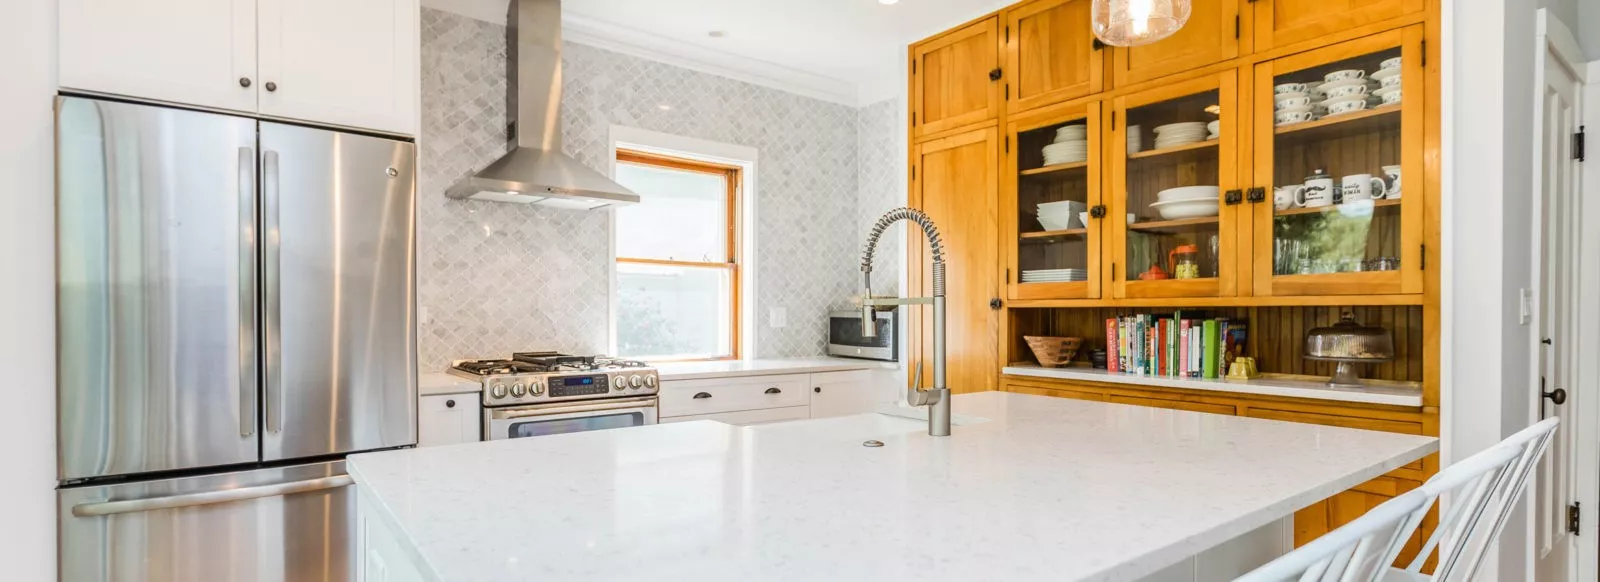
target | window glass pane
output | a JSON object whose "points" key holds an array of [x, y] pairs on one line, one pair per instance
{"points": [[670, 311], [681, 215]]}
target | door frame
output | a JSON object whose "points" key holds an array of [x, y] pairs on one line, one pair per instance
{"points": [[1554, 39]]}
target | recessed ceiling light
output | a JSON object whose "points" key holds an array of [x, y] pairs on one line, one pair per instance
{"points": [[717, 33], [888, 2]]}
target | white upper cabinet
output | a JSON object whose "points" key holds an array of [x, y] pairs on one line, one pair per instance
{"points": [[197, 52], [347, 62], [352, 63]]}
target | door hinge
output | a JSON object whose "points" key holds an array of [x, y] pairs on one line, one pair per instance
{"points": [[1008, 144], [1236, 26], [1113, 121], [913, 66], [913, 172], [1422, 264], [913, 119], [1580, 142], [1008, 91], [1424, 53], [1008, 33], [1008, 276], [1574, 519]]}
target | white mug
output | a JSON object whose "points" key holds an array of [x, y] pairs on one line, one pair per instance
{"points": [[1295, 103], [1347, 106], [1345, 74], [1286, 117], [1283, 197], [1392, 175], [1391, 98], [1348, 91], [1358, 187], [1315, 193], [1289, 88]]}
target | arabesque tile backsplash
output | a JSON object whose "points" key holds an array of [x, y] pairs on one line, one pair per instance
{"points": [[485, 269]]}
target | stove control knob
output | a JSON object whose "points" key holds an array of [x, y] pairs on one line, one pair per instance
{"points": [[635, 381], [619, 383], [517, 391], [535, 388], [649, 381], [498, 391]]}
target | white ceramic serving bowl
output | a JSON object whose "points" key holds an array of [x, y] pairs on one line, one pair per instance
{"points": [[1055, 222], [1180, 209], [1187, 193], [1215, 127]]}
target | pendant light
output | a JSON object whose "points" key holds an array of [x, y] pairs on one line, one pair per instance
{"points": [[1137, 22]]}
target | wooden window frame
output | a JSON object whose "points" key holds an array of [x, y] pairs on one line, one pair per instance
{"points": [[733, 178]]}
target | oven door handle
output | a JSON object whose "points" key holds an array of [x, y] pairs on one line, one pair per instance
{"points": [[554, 410]]}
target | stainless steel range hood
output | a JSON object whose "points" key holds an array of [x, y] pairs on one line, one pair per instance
{"points": [[536, 171]]}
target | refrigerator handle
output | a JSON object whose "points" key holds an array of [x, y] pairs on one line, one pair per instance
{"points": [[247, 291], [104, 508], [273, 399]]}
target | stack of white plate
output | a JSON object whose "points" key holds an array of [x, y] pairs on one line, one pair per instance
{"points": [[1071, 145], [1055, 275], [1187, 202], [1135, 139], [1177, 134], [1388, 78], [1061, 215]]}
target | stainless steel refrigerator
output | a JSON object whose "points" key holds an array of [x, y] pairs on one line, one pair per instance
{"points": [[235, 304]]}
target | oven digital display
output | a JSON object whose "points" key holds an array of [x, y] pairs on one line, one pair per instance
{"points": [[579, 386]]}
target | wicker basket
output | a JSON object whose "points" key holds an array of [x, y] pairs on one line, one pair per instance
{"points": [[1053, 352]]}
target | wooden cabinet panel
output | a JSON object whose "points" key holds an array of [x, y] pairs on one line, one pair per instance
{"points": [[1050, 53], [351, 62], [1174, 404], [1283, 22], [196, 52], [950, 78], [1055, 392], [956, 185], [1211, 36]]}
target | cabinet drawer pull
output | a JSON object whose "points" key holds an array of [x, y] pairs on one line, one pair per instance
{"points": [[244, 82], [271, 86], [450, 404], [774, 390], [818, 390], [700, 395]]}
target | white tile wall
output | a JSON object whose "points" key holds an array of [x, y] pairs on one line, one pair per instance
{"points": [[496, 278], [879, 189]]}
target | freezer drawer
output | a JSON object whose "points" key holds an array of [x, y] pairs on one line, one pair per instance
{"points": [[290, 524]]}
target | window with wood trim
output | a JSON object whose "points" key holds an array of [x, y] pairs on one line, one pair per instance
{"points": [[678, 259]]}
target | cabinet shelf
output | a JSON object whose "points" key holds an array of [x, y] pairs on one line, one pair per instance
{"points": [[1048, 236], [1055, 169], [1294, 211], [1168, 225], [1200, 145], [1369, 120]]}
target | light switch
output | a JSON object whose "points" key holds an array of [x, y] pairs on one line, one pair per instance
{"points": [[422, 316], [1525, 307], [778, 317]]}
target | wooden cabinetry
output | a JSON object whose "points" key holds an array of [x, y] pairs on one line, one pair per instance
{"points": [[1051, 54], [1286, 22], [344, 62], [1035, 244], [1211, 36], [955, 78], [954, 182]]}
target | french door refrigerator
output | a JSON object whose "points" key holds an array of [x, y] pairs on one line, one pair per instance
{"points": [[235, 306]]}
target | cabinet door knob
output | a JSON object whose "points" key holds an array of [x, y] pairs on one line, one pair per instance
{"points": [[1099, 211], [449, 404], [244, 81], [818, 390], [995, 75], [700, 395], [1256, 195], [774, 391], [271, 86], [1232, 197]]}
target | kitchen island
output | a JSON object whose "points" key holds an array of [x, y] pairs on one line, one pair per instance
{"points": [[1027, 488]]}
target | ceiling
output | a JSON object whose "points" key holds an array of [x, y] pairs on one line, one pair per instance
{"points": [[848, 51]]}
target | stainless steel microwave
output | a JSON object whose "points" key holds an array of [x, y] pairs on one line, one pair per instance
{"points": [[844, 336]]}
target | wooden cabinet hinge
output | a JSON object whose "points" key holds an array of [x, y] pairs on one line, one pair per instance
{"points": [[1236, 26], [1008, 275], [1422, 264], [1424, 53], [1574, 518], [913, 66], [1580, 143], [913, 173], [1008, 91], [1113, 121], [1008, 144], [913, 119], [1008, 33]]}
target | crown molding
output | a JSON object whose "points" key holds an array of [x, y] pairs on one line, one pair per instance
{"points": [[646, 45]]}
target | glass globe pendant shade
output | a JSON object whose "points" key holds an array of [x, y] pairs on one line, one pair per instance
{"points": [[1137, 22]]}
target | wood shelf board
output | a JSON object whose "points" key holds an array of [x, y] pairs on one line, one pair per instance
{"points": [[1368, 115], [1200, 302], [1210, 143], [1163, 225], [1055, 169], [1385, 203], [1045, 235], [1407, 394]]}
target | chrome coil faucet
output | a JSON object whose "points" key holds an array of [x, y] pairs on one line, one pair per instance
{"points": [[938, 397]]}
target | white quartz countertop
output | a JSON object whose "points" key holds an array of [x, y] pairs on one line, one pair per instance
{"points": [[439, 383], [760, 367], [1373, 393], [1044, 489]]}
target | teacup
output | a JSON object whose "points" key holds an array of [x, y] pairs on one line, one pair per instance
{"points": [[1283, 197], [1391, 98], [1390, 81], [1348, 91], [1289, 88], [1344, 75], [1358, 187], [1347, 106], [1391, 175], [1296, 103], [1287, 117], [1390, 63]]}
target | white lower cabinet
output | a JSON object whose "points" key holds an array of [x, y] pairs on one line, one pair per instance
{"points": [[448, 419], [777, 397], [852, 392], [380, 555], [748, 417]]}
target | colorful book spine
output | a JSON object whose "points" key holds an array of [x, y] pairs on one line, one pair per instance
{"points": [[1184, 349], [1111, 345]]}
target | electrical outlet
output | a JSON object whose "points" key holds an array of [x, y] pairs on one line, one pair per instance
{"points": [[778, 317], [422, 316], [1525, 307]]}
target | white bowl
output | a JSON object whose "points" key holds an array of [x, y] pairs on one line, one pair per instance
{"points": [[1188, 193], [1055, 222], [1215, 127], [1180, 209]]}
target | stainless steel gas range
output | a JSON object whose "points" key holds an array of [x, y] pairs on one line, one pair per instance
{"points": [[542, 393]]}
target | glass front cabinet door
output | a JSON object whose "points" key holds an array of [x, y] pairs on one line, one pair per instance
{"points": [[1173, 171], [1051, 213], [1335, 131]]}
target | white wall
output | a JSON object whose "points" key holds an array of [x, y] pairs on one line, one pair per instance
{"points": [[27, 293]]}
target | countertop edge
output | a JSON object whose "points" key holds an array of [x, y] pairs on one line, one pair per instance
{"points": [[1246, 387], [381, 510]]}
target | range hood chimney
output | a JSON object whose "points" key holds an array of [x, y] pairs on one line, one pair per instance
{"points": [[536, 171]]}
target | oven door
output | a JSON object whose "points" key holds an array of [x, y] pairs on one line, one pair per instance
{"points": [[565, 417]]}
